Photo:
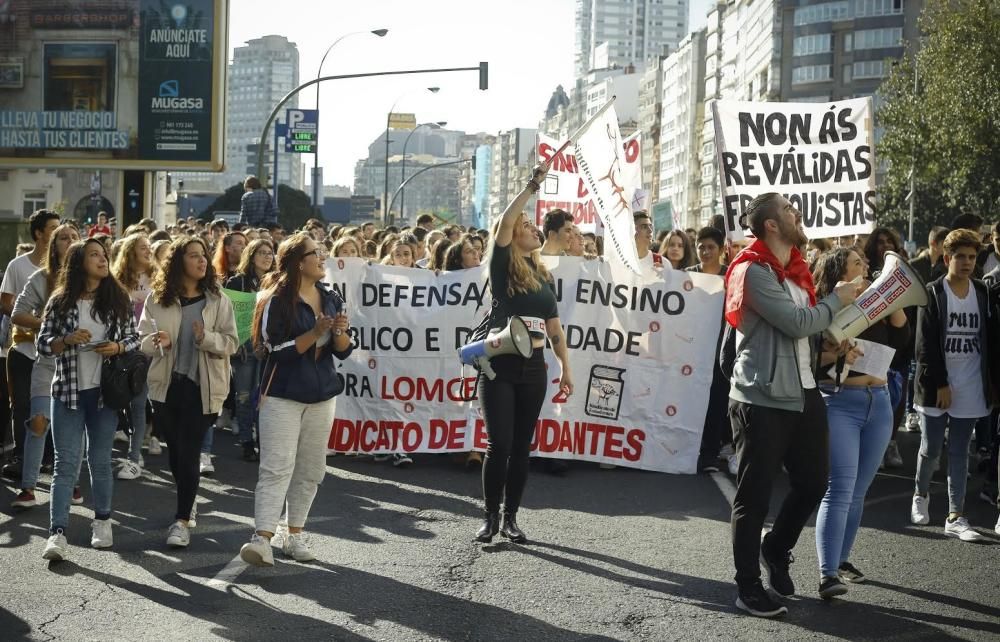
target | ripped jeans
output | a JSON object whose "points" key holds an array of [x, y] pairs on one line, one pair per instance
{"points": [[246, 380]]}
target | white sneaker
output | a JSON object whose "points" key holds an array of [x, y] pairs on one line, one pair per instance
{"points": [[295, 547], [920, 510], [101, 537], [734, 464], [206, 467], [56, 549], [178, 535], [121, 436], [154, 446], [996, 528], [960, 528], [913, 422], [193, 520], [257, 551], [130, 470], [401, 459]]}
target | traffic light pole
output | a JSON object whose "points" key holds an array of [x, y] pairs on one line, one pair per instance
{"points": [[483, 70]]}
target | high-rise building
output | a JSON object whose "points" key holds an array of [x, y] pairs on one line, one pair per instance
{"points": [[681, 128], [743, 46], [511, 164], [634, 31], [840, 49], [650, 106], [260, 74]]}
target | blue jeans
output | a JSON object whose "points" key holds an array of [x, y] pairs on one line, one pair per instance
{"points": [[34, 445], [68, 429], [931, 439], [860, 419], [137, 417], [246, 379]]}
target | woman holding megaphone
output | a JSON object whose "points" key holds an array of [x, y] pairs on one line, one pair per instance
{"points": [[860, 418], [510, 401]]}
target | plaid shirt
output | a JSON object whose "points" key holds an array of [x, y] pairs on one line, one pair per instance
{"points": [[65, 384], [257, 209]]}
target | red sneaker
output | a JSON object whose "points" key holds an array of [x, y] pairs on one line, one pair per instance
{"points": [[24, 499], [77, 496]]}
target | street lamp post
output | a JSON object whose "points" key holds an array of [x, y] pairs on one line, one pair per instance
{"points": [[378, 32], [482, 68], [388, 120], [402, 167]]}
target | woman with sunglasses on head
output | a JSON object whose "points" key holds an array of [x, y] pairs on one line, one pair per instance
{"points": [[521, 286], [303, 325], [189, 329], [88, 318], [257, 261]]}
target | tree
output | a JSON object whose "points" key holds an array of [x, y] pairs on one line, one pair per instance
{"points": [[294, 206], [946, 125]]}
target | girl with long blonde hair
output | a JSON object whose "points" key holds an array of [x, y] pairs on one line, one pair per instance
{"points": [[522, 287]]}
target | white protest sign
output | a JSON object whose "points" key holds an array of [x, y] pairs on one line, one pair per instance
{"points": [[640, 351], [600, 156], [565, 189], [632, 167], [819, 155]]}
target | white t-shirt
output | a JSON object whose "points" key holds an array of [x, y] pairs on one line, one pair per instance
{"points": [[19, 270], [801, 298], [962, 357], [89, 362]]}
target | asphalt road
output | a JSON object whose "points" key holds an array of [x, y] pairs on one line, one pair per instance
{"points": [[613, 555]]}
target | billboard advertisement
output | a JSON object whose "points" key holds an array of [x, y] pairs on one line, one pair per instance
{"points": [[135, 84]]}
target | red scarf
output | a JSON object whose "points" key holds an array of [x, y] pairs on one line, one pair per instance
{"points": [[759, 252]]}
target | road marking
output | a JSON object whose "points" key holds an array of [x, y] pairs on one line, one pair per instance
{"points": [[162, 556], [726, 486], [224, 578]]}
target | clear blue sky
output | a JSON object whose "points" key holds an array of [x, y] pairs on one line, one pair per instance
{"points": [[528, 43]]}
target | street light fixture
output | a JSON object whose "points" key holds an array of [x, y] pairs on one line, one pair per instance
{"points": [[388, 119], [319, 74], [482, 68], [402, 168]]}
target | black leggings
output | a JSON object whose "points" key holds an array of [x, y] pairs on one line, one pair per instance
{"points": [[510, 404], [183, 424]]}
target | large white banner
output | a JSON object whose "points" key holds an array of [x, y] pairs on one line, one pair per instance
{"points": [[819, 155], [600, 156], [641, 351], [564, 187]]}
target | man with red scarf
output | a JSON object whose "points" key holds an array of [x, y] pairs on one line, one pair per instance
{"points": [[777, 413]]}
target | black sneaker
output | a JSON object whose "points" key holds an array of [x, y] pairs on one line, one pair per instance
{"points": [[849, 573], [777, 564], [249, 452], [831, 587], [755, 601]]}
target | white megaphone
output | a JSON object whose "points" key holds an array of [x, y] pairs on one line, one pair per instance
{"points": [[514, 339], [897, 287]]}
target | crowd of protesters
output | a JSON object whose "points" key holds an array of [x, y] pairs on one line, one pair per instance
{"points": [[67, 305]]}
